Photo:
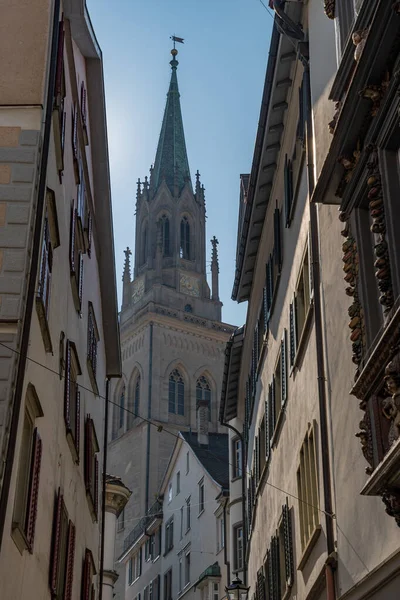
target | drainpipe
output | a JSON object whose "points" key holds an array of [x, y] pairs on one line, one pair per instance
{"points": [[322, 398], [30, 294], [226, 561], [103, 494], [149, 417], [240, 436]]}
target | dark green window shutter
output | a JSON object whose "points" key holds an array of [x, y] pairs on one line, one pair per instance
{"points": [[288, 181], [293, 331], [260, 585], [267, 435], [310, 271], [301, 122], [275, 568], [283, 368], [265, 309], [273, 411], [277, 239], [256, 346], [269, 288], [288, 544], [270, 575]]}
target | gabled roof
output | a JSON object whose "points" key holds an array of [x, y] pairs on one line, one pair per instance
{"points": [[171, 161], [214, 458]]}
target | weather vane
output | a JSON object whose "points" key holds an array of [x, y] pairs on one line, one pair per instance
{"points": [[175, 39]]}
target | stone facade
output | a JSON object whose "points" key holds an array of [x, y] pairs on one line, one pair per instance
{"points": [[172, 338], [327, 140], [59, 338]]}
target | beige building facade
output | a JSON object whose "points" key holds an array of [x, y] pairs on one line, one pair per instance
{"points": [[58, 317], [313, 528]]}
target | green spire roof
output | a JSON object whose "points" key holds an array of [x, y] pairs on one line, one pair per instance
{"points": [[171, 161]]}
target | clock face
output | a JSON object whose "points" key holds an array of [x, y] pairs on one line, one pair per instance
{"points": [[189, 285], [138, 290]]}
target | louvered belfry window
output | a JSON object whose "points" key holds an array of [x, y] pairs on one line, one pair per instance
{"points": [[176, 393], [72, 399], [91, 465], [62, 552]]}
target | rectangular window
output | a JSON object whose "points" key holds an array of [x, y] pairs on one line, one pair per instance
{"points": [[288, 180], [188, 514], [27, 490], [168, 585], [91, 465], [157, 544], [121, 521], [187, 568], [180, 573], [215, 591], [170, 491], [181, 528], [237, 458], [238, 547], [155, 584], [178, 482], [220, 533], [169, 535], [72, 399], [307, 485], [187, 463], [89, 571], [62, 553], [92, 342], [300, 306], [201, 496], [135, 567]]}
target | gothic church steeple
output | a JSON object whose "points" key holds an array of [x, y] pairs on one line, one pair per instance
{"points": [[171, 161]]}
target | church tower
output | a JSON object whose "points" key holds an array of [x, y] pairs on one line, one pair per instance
{"points": [[172, 337]]}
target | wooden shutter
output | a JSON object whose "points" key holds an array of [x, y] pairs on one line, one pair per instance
{"points": [[80, 277], [267, 426], [75, 133], [310, 265], [269, 286], [55, 551], [283, 369], [33, 490], [96, 486], [271, 593], [260, 585], [288, 180], [60, 61], [300, 126], [69, 574], [275, 567], [265, 309], [93, 593], [277, 239], [273, 411], [293, 331], [72, 257], [256, 346], [86, 575], [88, 453], [83, 104], [67, 388], [89, 233], [78, 422], [288, 544], [256, 459]]}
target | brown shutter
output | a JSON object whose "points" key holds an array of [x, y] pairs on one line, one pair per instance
{"points": [[96, 486], [83, 103], [80, 277], [75, 133], [33, 490], [86, 580], [69, 574], [55, 551], [72, 257], [67, 389], [288, 544], [93, 593], [88, 453], [78, 422], [89, 234], [60, 60]]}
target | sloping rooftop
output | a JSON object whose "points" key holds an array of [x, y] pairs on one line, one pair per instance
{"points": [[215, 458]]}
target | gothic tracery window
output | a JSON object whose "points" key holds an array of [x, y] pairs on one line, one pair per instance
{"points": [[176, 393], [135, 405], [144, 245], [165, 235], [185, 239], [203, 392]]}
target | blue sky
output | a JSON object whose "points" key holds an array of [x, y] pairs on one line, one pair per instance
{"points": [[221, 75]]}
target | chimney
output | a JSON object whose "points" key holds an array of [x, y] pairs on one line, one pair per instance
{"points": [[202, 422]]}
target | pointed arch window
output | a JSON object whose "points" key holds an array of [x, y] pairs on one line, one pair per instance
{"points": [[185, 239], [165, 235], [143, 252], [135, 404], [203, 392], [121, 408], [176, 393]]}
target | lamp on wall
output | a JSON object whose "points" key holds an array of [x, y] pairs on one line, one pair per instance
{"points": [[237, 590]]}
